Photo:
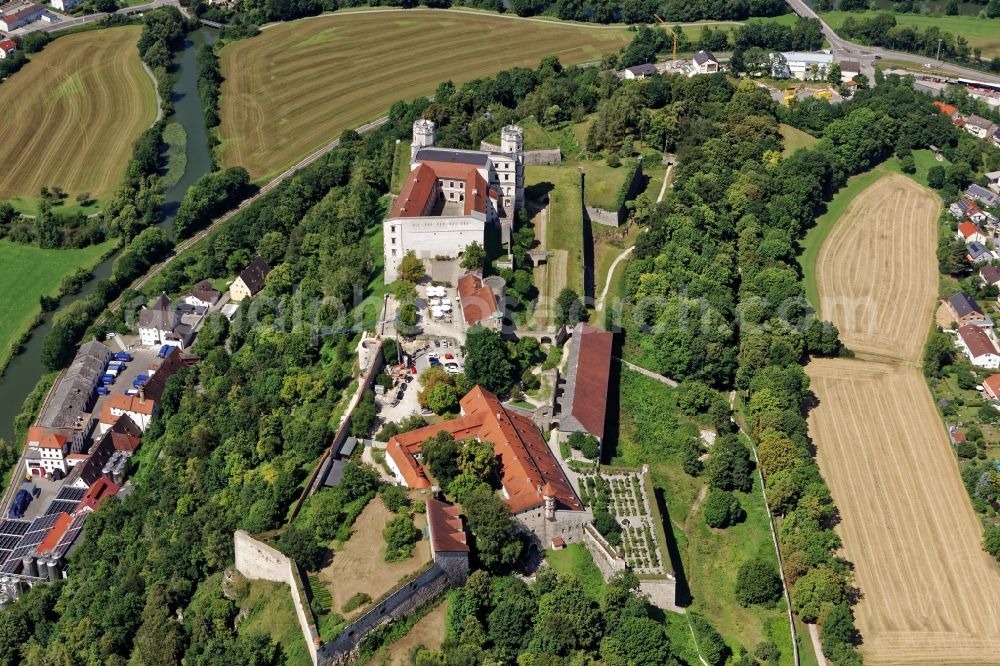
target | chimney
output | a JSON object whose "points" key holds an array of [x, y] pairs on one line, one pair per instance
{"points": [[142, 395]]}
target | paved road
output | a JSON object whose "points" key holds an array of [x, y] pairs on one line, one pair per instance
{"points": [[847, 50], [67, 21], [181, 247]]}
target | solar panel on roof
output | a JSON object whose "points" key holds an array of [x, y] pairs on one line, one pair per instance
{"points": [[71, 493], [9, 541], [61, 506], [14, 526]]}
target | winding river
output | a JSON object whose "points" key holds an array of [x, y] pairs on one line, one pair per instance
{"points": [[26, 368]]}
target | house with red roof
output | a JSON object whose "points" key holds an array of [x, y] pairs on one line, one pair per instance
{"points": [[7, 48], [450, 196], [947, 109], [479, 301], [533, 483], [449, 546], [979, 345], [968, 232], [991, 387]]}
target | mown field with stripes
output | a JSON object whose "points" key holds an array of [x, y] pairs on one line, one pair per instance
{"points": [[70, 116]]}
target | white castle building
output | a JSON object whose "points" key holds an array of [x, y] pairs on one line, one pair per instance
{"points": [[450, 195]]}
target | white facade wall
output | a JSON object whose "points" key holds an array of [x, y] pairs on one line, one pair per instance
{"points": [[428, 237], [141, 420], [152, 336], [63, 5]]}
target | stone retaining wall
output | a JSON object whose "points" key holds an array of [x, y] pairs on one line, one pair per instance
{"points": [[258, 561]]}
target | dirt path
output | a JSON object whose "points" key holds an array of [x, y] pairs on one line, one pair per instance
{"points": [[611, 275]]}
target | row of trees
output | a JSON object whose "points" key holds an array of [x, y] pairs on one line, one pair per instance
{"points": [[212, 195]]}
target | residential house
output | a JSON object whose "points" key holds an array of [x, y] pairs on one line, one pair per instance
{"points": [[121, 440], [250, 280], [450, 196], [102, 489], [65, 5], [849, 69], [584, 401], [7, 48], [20, 15], [203, 295], [947, 109], [639, 71], [990, 275], [993, 179], [539, 494], [966, 311], [164, 323], [991, 387], [977, 343], [968, 232], [983, 195], [704, 62], [139, 408], [479, 301], [979, 253], [967, 208], [995, 137], [979, 127]]}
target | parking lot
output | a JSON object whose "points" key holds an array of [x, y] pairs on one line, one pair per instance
{"points": [[427, 352], [142, 358]]}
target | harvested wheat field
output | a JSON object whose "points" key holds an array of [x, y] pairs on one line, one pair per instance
{"points": [[71, 114], [298, 85], [931, 595], [876, 272]]}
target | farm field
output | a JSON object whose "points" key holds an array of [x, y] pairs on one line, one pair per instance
{"points": [[878, 284], [981, 33], [71, 115], [296, 86], [28, 272], [931, 595]]}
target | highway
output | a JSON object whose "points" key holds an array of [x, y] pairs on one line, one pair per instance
{"points": [[866, 55]]}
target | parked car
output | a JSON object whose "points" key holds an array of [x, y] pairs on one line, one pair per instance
{"points": [[452, 368], [103, 390], [434, 361], [107, 379]]}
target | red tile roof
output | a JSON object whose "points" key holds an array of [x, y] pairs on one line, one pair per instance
{"points": [[478, 300], [529, 471], [52, 440], [968, 229], [591, 365], [447, 532], [946, 109], [421, 185], [991, 386], [56, 533], [977, 341], [8, 45], [99, 491]]}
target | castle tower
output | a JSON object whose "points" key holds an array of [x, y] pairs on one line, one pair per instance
{"points": [[512, 143], [548, 495], [424, 135]]}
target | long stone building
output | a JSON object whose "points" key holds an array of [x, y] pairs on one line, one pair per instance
{"points": [[451, 195]]}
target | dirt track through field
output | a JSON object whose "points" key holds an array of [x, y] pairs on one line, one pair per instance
{"points": [[876, 272], [71, 114], [930, 593]]}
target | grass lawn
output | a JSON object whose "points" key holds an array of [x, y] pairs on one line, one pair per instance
{"points": [[609, 246], [923, 160], [175, 138], [28, 205], [272, 613], [984, 33], [563, 228], [563, 136], [793, 138], [71, 115], [576, 560], [400, 166], [652, 431], [299, 84], [824, 224], [602, 182], [28, 272]]}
